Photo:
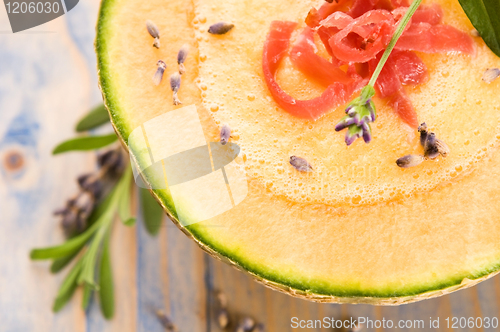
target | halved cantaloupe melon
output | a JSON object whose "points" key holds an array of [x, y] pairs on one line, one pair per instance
{"points": [[358, 229]]}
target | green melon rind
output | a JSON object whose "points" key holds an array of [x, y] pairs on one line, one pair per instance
{"points": [[316, 290]]}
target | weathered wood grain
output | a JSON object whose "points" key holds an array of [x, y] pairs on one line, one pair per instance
{"points": [[44, 87]]}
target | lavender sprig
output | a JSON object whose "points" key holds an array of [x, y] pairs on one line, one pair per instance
{"points": [[361, 111]]}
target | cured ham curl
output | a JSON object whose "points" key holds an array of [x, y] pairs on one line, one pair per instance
{"points": [[275, 49], [355, 33]]}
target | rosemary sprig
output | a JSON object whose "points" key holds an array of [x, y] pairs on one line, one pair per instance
{"points": [[361, 111], [90, 246], [93, 245]]}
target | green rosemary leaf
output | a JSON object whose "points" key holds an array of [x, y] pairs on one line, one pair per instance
{"points": [[87, 276], [130, 222], [106, 288], [85, 143], [124, 207], [70, 247], [124, 204], [67, 288], [152, 213], [60, 263], [95, 118], [485, 16], [87, 294], [101, 208]]}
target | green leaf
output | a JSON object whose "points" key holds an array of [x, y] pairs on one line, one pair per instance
{"points": [[85, 143], [60, 263], [70, 247], [130, 222], [152, 213], [87, 294], [95, 118], [106, 288], [67, 288], [485, 17], [87, 276], [100, 209], [124, 204]]}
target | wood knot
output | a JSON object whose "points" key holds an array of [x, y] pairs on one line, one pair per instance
{"points": [[13, 161]]}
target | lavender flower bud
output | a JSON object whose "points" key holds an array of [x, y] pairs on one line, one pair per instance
{"points": [[69, 221], [221, 297], [76, 212], [223, 318], [259, 328], [345, 122], [433, 147], [410, 160], [175, 84], [354, 132], [220, 28], [422, 129], [154, 32], [367, 132], [113, 161], [158, 76], [83, 180], [181, 58], [360, 112], [86, 204], [225, 133], [443, 149], [491, 74], [371, 108], [431, 150], [300, 164], [246, 325], [106, 158], [165, 321]]}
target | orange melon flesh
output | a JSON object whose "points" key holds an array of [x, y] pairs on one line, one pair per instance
{"points": [[358, 229], [231, 73]]}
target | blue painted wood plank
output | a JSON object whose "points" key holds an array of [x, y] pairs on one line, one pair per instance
{"points": [[186, 280], [488, 294], [150, 296], [41, 97], [465, 304]]}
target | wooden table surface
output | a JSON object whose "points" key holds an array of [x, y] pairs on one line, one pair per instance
{"points": [[47, 81]]}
